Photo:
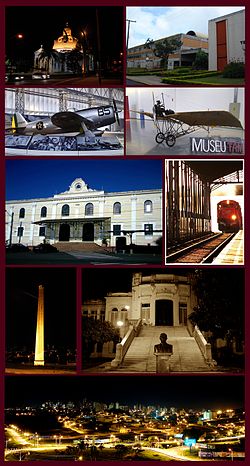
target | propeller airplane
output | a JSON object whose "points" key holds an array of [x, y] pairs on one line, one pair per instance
{"points": [[86, 122]]}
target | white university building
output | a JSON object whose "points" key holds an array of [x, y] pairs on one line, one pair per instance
{"points": [[84, 214], [157, 299]]}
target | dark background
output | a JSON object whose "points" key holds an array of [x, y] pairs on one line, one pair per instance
{"points": [[42, 25], [200, 392], [59, 306]]}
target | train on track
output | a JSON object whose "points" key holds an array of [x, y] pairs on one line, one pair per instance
{"points": [[229, 216]]}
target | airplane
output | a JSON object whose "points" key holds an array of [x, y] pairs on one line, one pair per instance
{"points": [[86, 121], [171, 125]]}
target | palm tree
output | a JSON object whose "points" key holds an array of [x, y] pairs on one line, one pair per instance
{"points": [[45, 55]]}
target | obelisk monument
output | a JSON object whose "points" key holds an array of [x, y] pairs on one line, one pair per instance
{"points": [[39, 349]]}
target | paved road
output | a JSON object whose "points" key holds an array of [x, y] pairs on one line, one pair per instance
{"points": [[93, 258], [146, 80], [92, 81]]}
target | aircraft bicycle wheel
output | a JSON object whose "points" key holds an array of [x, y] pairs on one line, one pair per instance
{"points": [[159, 138], [170, 140]]}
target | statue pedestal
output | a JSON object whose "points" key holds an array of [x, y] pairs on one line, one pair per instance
{"points": [[162, 362]]}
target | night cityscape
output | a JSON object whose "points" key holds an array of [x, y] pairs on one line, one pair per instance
{"points": [[87, 40], [59, 341], [80, 419]]}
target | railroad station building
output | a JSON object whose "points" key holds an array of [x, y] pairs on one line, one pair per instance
{"points": [[143, 57], [83, 214]]}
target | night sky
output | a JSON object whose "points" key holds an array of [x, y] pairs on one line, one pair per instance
{"points": [[27, 179], [42, 25], [21, 306], [199, 392], [97, 282]]}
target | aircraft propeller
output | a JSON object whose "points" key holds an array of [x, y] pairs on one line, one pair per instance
{"points": [[116, 112]]}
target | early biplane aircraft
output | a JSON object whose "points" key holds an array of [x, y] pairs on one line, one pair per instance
{"points": [[86, 121], [171, 125]]}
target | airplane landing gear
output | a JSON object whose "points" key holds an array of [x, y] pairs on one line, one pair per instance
{"points": [[160, 137], [170, 140]]}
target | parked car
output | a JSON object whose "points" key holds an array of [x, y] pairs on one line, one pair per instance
{"points": [[13, 77], [17, 247], [40, 75], [44, 248]]}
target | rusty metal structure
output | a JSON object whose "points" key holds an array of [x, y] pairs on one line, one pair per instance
{"points": [[187, 204]]}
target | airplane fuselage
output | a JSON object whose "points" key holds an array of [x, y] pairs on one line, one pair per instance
{"points": [[68, 122]]}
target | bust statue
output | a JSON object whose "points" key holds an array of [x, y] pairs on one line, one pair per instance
{"points": [[163, 347]]}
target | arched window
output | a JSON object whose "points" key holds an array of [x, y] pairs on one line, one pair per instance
{"points": [[114, 315], [44, 212], [65, 210], [124, 314], [22, 213], [89, 209], [117, 208], [148, 207]]}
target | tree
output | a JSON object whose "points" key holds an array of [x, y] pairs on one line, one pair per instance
{"points": [[201, 61], [45, 56], [163, 48], [73, 60], [96, 331], [121, 450], [220, 307]]}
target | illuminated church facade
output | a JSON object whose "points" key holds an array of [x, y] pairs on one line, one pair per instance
{"points": [[68, 55]]}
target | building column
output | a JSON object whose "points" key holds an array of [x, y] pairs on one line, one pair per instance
{"points": [[32, 226], [133, 216]]}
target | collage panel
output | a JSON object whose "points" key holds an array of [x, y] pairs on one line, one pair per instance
{"points": [[185, 45], [156, 321], [123, 341], [64, 121], [204, 212], [185, 121], [81, 45], [40, 321], [157, 419], [111, 213]]}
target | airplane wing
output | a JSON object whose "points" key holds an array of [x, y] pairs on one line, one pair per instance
{"points": [[200, 118], [149, 114], [71, 121], [206, 118]]}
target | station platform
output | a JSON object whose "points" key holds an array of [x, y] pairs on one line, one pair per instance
{"points": [[233, 253]]}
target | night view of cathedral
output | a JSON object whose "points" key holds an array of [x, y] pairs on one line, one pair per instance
{"points": [[68, 55]]}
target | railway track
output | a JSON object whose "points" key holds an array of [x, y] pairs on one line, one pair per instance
{"points": [[202, 252]]}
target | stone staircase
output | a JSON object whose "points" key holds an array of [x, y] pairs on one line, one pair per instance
{"points": [[186, 357], [81, 246]]}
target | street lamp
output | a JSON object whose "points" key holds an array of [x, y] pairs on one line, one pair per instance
{"points": [[231, 453], [120, 324]]}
